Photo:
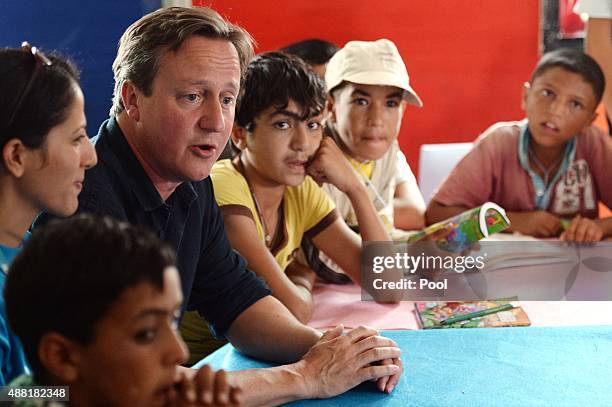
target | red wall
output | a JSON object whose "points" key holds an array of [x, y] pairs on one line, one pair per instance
{"points": [[467, 63]]}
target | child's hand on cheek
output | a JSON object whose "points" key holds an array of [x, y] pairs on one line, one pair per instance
{"points": [[535, 223], [583, 230], [330, 165]]}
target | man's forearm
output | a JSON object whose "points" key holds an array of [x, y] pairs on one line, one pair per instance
{"points": [[267, 330], [271, 386]]}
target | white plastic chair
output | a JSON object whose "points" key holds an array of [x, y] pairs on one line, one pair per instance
{"points": [[436, 161]]}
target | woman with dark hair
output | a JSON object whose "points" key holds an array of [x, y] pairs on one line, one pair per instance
{"points": [[44, 152]]}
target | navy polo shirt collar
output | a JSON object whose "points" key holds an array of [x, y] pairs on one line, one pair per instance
{"points": [[135, 176]]}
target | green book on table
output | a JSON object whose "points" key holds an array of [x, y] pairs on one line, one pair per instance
{"points": [[469, 314]]}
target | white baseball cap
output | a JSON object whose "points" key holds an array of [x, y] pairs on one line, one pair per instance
{"points": [[370, 63]]}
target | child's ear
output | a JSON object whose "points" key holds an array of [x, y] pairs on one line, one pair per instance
{"points": [[60, 357], [526, 89], [14, 157], [129, 97], [239, 135]]}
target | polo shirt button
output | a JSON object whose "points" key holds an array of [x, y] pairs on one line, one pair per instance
{"points": [[539, 192]]}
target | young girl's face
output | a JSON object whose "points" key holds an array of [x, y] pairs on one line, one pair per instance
{"points": [[281, 145], [53, 174], [559, 104]]}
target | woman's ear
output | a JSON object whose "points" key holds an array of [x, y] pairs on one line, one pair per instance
{"points": [[60, 357], [239, 136], [14, 157]]}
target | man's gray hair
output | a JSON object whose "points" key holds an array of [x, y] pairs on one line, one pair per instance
{"points": [[142, 44]]}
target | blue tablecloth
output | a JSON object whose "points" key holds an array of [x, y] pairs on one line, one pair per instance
{"points": [[532, 366]]}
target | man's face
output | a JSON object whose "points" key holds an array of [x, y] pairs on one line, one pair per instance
{"points": [[558, 105], [281, 145], [185, 123], [367, 118], [133, 358]]}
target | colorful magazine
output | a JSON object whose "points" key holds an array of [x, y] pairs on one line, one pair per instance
{"points": [[432, 314], [456, 234]]}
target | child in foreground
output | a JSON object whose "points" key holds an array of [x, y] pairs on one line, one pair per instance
{"points": [[96, 302], [548, 171]]}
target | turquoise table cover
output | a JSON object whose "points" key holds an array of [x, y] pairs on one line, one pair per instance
{"points": [[530, 366]]}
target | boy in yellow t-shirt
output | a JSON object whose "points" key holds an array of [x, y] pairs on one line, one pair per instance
{"points": [[267, 199]]}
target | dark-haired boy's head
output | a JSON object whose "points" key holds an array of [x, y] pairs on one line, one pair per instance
{"points": [[275, 78], [94, 302], [561, 98], [576, 61], [279, 117], [314, 52]]}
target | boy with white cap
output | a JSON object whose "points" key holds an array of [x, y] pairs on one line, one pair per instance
{"points": [[369, 89]]}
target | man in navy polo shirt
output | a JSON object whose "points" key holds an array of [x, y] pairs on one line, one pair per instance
{"points": [[177, 78]]}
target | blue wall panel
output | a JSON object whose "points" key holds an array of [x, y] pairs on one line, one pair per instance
{"points": [[85, 30]]}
